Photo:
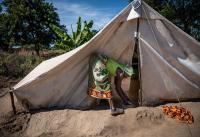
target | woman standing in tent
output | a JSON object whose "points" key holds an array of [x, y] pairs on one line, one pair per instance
{"points": [[102, 69]]}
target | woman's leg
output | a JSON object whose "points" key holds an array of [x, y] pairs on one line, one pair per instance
{"points": [[118, 82], [114, 111]]}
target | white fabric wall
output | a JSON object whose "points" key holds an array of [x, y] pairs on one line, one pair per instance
{"points": [[170, 60]]}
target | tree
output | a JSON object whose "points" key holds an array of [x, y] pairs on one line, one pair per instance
{"points": [[187, 16], [29, 22], [184, 13], [0, 8], [80, 36], [5, 32]]}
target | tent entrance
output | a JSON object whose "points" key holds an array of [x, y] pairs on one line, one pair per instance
{"points": [[131, 86], [135, 81], [135, 84]]}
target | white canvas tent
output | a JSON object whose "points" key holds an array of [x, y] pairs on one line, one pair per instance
{"points": [[169, 62]]}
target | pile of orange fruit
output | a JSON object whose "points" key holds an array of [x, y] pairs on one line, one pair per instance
{"points": [[178, 113]]}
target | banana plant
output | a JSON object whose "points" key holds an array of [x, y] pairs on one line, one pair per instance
{"points": [[64, 41], [80, 36]]}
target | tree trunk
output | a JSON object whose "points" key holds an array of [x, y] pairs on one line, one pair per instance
{"points": [[37, 49]]}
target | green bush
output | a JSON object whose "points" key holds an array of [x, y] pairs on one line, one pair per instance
{"points": [[14, 65]]}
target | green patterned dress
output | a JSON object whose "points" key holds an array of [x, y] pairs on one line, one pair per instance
{"points": [[101, 69]]}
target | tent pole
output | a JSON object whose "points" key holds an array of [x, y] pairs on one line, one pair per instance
{"points": [[139, 65], [12, 101], [136, 62]]}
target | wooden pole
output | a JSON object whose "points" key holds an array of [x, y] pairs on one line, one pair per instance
{"points": [[135, 91], [12, 101]]}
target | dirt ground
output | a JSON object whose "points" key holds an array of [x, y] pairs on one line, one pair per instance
{"points": [[136, 122], [10, 125], [14, 125]]}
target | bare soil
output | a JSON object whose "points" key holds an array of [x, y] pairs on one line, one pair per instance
{"points": [[10, 125], [14, 125], [136, 122]]}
